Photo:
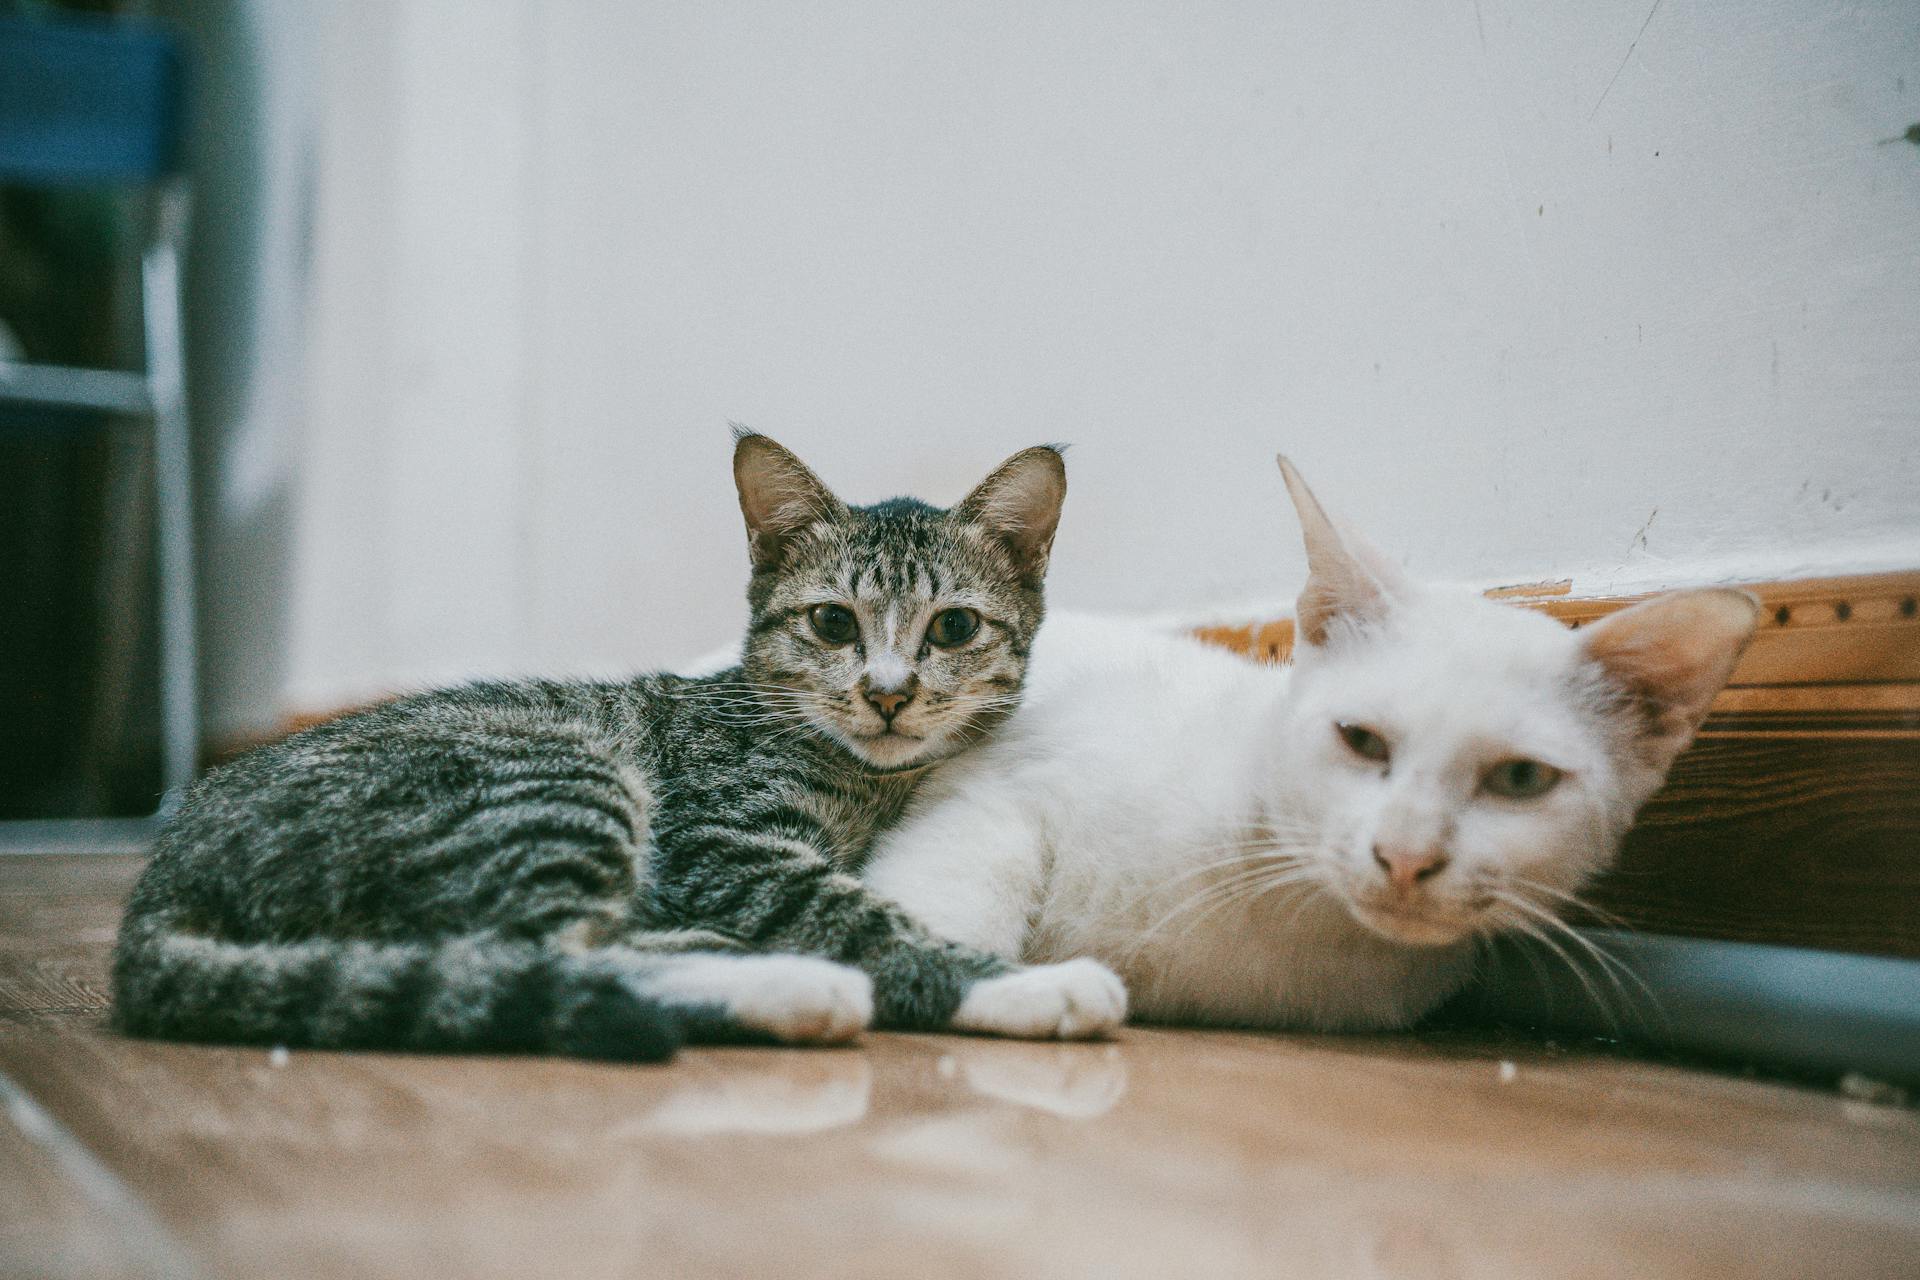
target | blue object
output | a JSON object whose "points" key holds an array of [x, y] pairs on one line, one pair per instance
{"points": [[93, 101], [98, 102]]}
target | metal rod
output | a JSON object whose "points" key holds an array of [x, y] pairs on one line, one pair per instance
{"points": [[1783, 1008], [63, 387], [173, 490]]}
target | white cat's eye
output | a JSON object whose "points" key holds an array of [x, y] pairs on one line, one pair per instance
{"points": [[1520, 779], [833, 623], [1363, 742], [951, 627]]}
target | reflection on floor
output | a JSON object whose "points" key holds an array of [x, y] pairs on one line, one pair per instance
{"points": [[1166, 1153]]}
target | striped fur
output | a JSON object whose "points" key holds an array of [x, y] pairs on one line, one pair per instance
{"points": [[575, 867]]}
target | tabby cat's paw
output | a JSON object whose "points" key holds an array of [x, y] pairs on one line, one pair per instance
{"points": [[1077, 1000], [793, 999], [799, 1000]]}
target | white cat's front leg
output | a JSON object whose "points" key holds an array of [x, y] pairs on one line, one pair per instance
{"points": [[966, 870], [972, 871]]}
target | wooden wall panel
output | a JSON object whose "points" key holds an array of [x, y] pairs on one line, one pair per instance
{"points": [[1806, 840]]}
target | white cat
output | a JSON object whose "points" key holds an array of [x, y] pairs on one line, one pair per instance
{"points": [[1321, 845]]}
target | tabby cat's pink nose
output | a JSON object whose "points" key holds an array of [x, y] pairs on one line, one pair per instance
{"points": [[1408, 867], [888, 704]]}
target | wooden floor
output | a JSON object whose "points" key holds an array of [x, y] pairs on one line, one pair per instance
{"points": [[1164, 1154]]}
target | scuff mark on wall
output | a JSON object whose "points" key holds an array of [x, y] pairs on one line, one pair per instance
{"points": [[1625, 58], [1639, 542]]}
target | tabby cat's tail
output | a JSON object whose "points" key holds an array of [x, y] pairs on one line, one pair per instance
{"points": [[460, 995]]}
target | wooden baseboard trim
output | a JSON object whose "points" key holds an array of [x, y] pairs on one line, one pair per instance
{"points": [[1795, 817], [1826, 646]]}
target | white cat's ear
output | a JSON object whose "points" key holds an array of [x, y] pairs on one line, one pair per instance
{"points": [[1020, 505], [1345, 577], [779, 497], [1671, 655]]}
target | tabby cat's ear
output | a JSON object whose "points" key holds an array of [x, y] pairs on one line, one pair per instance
{"points": [[1670, 656], [1345, 578], [778, 495], [1020, 505]]}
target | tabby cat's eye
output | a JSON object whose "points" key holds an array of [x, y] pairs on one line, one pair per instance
{"points": [[952, 627], [1520, 779], [833, 623], [1363, 742]]}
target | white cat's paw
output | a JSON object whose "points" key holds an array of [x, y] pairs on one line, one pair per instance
{"points": [[1077, 1000], [794, 999]]}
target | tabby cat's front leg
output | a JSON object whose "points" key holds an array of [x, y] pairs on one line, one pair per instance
{"points": [[776, 892]]}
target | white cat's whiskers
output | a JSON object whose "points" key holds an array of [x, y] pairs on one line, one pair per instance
{"points": [[1617, 969], [1253, 887], [1543, 926], [1271, 870], [1253, 848], [1527, 927], [1567, 900], [1270, 858], [1597, 848]]}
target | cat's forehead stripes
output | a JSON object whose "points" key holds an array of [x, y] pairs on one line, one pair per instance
{"points": [[898, 551], [894, 579]]}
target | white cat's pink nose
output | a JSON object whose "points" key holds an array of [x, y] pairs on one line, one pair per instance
{"points": [[1406, 867]]}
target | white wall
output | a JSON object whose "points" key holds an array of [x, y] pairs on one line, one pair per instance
{"points": [[256, 98], [1527, 288]]}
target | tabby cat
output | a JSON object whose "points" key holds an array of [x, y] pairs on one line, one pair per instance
{"points": [[603, 868]]}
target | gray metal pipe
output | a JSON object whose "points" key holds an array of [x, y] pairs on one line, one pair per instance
{"points": [[1819, 1013]]}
